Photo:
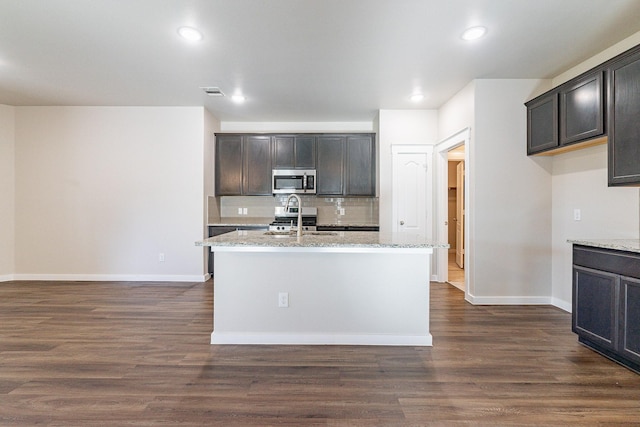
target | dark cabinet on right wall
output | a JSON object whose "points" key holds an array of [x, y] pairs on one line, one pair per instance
{"points": [[599, 106], [624, 120], [542, 123], [567, 116], [606, 302], [582, 109]]}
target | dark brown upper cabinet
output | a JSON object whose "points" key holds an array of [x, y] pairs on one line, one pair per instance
{"points": [[582, 109], [228, 164], [567, 117], [294, 152], [361, 166], [331, 164], [243, 165], [257, 166], [542, 123], [346, 165], [624, 120]]}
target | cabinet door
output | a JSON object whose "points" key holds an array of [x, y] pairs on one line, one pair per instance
{"points": [[283, 152], [257, 166], [228, 164], [330, 166], [595, 309], [624, 126], [582, 109], [305, 152], [360, 168], [542, 124], [294, 152], [630, 319]]}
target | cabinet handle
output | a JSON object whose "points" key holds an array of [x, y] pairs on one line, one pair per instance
{"points": [[401, 222]]}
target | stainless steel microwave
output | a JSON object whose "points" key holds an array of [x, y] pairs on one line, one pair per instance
{"points": [[287, 181]]}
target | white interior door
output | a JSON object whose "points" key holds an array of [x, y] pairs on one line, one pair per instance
{"points": [[412, 189], [460, 214]]}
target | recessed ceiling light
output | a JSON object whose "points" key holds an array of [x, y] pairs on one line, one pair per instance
{"points": [[417, 97], [237, 98], [474, 33], [190, 34]]}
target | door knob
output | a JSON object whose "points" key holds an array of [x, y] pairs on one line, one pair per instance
{"points": [[401, 222]]}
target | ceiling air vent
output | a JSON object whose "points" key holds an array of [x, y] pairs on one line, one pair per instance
{"points": [[212, 91]]}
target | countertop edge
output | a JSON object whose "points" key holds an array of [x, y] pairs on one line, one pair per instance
{"points": [[628, 245], [343, 241]]}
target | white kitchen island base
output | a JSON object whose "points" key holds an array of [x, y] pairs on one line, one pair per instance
{"points": [[336, 295]]}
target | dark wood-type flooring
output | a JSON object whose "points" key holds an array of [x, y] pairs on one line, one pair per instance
{"points": [[114, 353]]}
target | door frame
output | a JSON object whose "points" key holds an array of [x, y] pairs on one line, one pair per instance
{"points": [[441, 170]]}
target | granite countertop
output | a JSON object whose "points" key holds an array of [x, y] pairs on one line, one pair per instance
{"points": [[350, 239], [346, 224], [629, 245], [264, 222]]}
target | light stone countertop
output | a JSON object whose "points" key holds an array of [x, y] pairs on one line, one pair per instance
{"points": [[337, 240], [629, 245], [264, 222]]}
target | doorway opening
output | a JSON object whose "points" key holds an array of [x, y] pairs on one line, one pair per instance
{"points": [[455, 217], [454, 265]]}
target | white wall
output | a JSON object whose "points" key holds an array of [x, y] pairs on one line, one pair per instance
{"points": [[597, 59], [399, 127], [7, 191], [297, 127], [211, 126], [457, 113], [101, 191], [511, 227], [509, 195], [580, 182]]}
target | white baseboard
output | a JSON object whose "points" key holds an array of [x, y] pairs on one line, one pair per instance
{"points": [[112, 277], [320, 339], [562, 304], [7, 278], [508, 300]]}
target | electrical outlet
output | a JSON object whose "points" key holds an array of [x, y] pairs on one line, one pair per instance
{"points": [[341, 211], [576, 214], [244, 211], [283, 299], [161, 257], [239, 211]]}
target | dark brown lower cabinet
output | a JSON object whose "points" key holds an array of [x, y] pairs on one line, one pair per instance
{"points": [[630, 319], [606, 303]]}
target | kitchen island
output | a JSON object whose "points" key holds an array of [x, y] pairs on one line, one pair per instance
{"points": [[351, 288]]}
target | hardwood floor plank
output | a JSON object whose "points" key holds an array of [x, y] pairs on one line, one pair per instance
{"points": [[135, 353]]}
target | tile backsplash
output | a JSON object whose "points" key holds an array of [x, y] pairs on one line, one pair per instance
{"points": [[331, 210]]}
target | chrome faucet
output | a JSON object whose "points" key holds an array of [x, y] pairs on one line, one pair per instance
{"points": [[286, 209]]}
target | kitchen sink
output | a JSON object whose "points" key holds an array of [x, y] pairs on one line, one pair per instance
{"points": [[304, 233], [279, 233]]}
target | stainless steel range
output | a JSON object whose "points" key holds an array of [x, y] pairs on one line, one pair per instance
{"points": [[284, 220]]}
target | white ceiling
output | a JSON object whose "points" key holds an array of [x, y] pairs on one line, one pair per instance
{"points": [[294, 60]]}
